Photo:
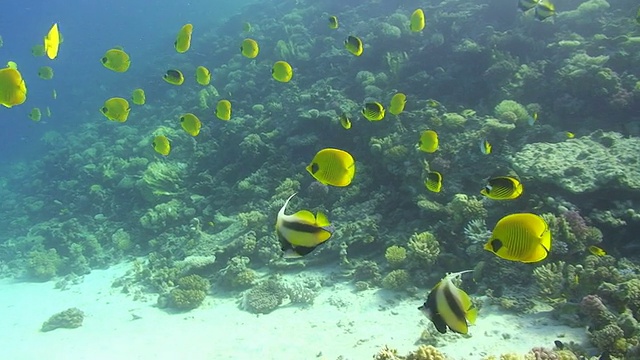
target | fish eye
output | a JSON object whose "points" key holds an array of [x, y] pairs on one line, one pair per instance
{"points": [[496, 245], [104, 60], [314, 168], [488, 188], [104, 109], [153, 144], [182, 119]]}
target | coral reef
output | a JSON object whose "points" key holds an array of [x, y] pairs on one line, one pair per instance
{"points": [[69, 319]]}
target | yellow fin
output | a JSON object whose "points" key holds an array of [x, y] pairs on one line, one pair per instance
{"points": [[322, 220], [472, 315], [305, 216]]}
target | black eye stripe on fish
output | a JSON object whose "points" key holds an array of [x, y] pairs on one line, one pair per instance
{"points": [[296, 226]]}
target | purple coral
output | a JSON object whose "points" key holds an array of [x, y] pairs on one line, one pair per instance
{"points": [[577, 223], [541, 353], [592, 305], [596, 310]]}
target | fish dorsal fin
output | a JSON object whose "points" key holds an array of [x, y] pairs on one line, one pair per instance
{"points": [[305, 216], [322, 220]]}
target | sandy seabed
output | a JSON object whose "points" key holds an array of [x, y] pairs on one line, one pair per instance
{"points": [[341, 324]]}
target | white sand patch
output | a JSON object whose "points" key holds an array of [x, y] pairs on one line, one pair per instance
{"points": [[340, 323]]}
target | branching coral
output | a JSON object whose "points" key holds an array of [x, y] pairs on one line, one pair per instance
{"points": [[423, 249]]}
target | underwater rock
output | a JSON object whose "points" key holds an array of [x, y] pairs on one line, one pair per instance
{"points": [[586, 164], [69, 319]]}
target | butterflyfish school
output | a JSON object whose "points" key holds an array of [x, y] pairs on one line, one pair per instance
{"points": [[191, 124], [502, 188], [433, 181], [116, 109], [353, 44], [397, 103], [282, 71], [345, 121], [417, 21], [45, 72], [161, 145], [116, 60], [333, 167], [183, 39], [173, 77], [203, 75], [52, 42], [138, 97], [35, 114], [223, 110], [428, 141], [249, 48], [373, 111], [544, 9], [447, 306], [13, 89], [522, 237], [333, 22], [300, 233]]}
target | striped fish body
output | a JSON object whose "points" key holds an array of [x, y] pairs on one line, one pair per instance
{"points": [[300, 233], [447, 306]]}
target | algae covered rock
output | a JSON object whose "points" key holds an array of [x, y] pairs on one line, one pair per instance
{"points": [[586, 164], [69, 319]]}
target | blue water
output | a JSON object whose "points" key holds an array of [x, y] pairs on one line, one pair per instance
{"points": [[89, 28]]}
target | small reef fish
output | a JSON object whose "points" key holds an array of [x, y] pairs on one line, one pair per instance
{"points": [[116, 60], [333, 22], [333, 167], [54, 94], [45, 72], [203, 75], [485, 147], [447, 306], [48, 111], [183, 39], [544, 9], [138, 97], [569, 134], [373, 111], [223, 110], [246, 27], [173, 77], [302, 232], [35, 114], [433, 103], [397, 103], [13, 89], [52, 42], [282, 71], [38, 50], [12, 65], [345, 121], [523, 237], [502, 188], [433, 181], [190, 124], [353, 44], [525, 5], [249, 48], [428, 141], [532, 119], [417, 21], [116, 109], [597, 251], [161, 145]]}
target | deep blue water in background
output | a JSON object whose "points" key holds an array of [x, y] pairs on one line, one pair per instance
{"points": [[144, 29]]}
